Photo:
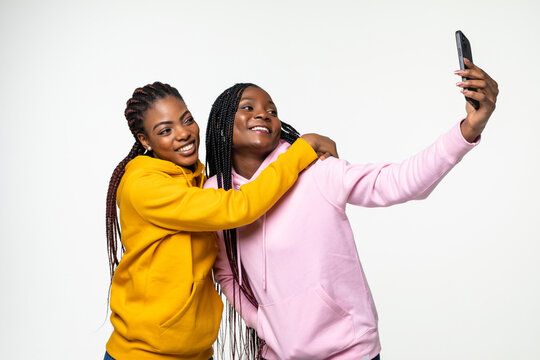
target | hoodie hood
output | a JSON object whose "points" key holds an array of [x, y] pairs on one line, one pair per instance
{"points": [[145, 162], [238, 180]]}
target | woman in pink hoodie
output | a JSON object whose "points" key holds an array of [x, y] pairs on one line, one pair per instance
{"points": [[307, 296]]}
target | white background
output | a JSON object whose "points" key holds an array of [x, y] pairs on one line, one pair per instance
{"points": [[456, 276]]}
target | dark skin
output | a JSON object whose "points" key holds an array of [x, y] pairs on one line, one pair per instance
{"points": [[251, 145], [257, 130], [486, 93], [172, 134]]}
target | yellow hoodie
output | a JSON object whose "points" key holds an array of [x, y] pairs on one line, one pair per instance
{"points": [[163, 301]]}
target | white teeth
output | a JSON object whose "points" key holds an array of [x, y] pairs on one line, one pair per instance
{"points": [[260, 128], [186, 148]]}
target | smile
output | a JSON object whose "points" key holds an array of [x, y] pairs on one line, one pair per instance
{"points": [[260, 129], [186, 148]]}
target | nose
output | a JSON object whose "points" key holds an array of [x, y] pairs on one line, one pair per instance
{"points": [[261, 114], [182, 133]]}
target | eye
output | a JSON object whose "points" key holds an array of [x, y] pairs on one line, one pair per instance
{"points": [[189, 120], [273, 112], [246, 107], [165, 131]]}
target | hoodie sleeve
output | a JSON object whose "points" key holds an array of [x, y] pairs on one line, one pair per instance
{"points": [[159, 200], [223, 275], [373, 185]]}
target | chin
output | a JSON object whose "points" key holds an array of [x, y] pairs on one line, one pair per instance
{"points": [[266, 145], [190, 163]]}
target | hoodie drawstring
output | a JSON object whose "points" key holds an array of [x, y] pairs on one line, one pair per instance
{"points": [[239, 263], [185, 175], [264, 252], [201, 183]]}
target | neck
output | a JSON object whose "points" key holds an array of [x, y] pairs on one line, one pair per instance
{"points": [[246, 163]]}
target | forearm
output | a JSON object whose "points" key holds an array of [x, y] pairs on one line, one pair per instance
{"points": [[240, 302], [414, 178], [224, 276], [194, 209]]}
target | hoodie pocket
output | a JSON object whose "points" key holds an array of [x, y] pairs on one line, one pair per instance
{"points": [[187, 305], [194, 327], [310, 325]]}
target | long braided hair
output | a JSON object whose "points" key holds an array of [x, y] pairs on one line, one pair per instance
{"points": [[219, 134], [142, 99]]}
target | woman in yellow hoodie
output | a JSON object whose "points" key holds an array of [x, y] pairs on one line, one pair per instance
{"points": [[163, 301]]}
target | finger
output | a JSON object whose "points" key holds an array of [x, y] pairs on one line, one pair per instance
{"points": [[494, 86], [324, 156], [473, 67], [484, 74], [330, 148], [485, 102], [470, 64], [491, 89], [471, 74], [472, 71], [486, 84], [476, 84], [474, 95], [488, 88]]}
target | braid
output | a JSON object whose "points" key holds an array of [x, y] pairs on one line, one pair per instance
{"points": [[219, 134], [111, 217], [288, 133], [143, 98]]}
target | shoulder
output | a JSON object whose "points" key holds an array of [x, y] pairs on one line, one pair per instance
{"points": [[211, 183], [142, 177], [140, 169], [327, 174], [328, 166]]}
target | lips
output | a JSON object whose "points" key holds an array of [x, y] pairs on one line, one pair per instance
{"points": [[262, 129], [186, 148]]}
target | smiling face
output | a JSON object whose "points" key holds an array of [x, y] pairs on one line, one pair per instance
{"points": [[257, 128], [171, 132]]}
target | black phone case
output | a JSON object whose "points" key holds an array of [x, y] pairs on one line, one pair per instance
{"points": [[464, 51]]}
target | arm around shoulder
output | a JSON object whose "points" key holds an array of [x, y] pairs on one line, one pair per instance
{"points": [[160, 200]]}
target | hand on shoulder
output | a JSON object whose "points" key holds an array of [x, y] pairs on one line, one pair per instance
{"points": [[323, 146]]}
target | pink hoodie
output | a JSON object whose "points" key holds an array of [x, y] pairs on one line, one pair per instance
{"points": [[301, 257]]}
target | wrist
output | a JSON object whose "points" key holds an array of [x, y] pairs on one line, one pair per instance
{"points": [[311, 139], [470, 133]]}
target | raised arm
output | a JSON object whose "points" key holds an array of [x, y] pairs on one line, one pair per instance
{"points": [[387, 184], [392, 183], [373, 185]]}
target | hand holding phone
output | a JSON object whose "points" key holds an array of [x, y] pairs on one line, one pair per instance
{"points": [[464, 51]]}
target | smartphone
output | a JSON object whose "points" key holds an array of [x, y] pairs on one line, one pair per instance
{"points": [[464, 51]]}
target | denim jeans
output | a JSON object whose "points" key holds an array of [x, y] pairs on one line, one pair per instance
{"points": [[109, 357]]}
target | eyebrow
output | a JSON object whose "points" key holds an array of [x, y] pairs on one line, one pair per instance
{"points": [[167, 122], [246, 98]]}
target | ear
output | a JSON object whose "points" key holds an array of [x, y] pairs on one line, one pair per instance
{"points": [[144, 141]]}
